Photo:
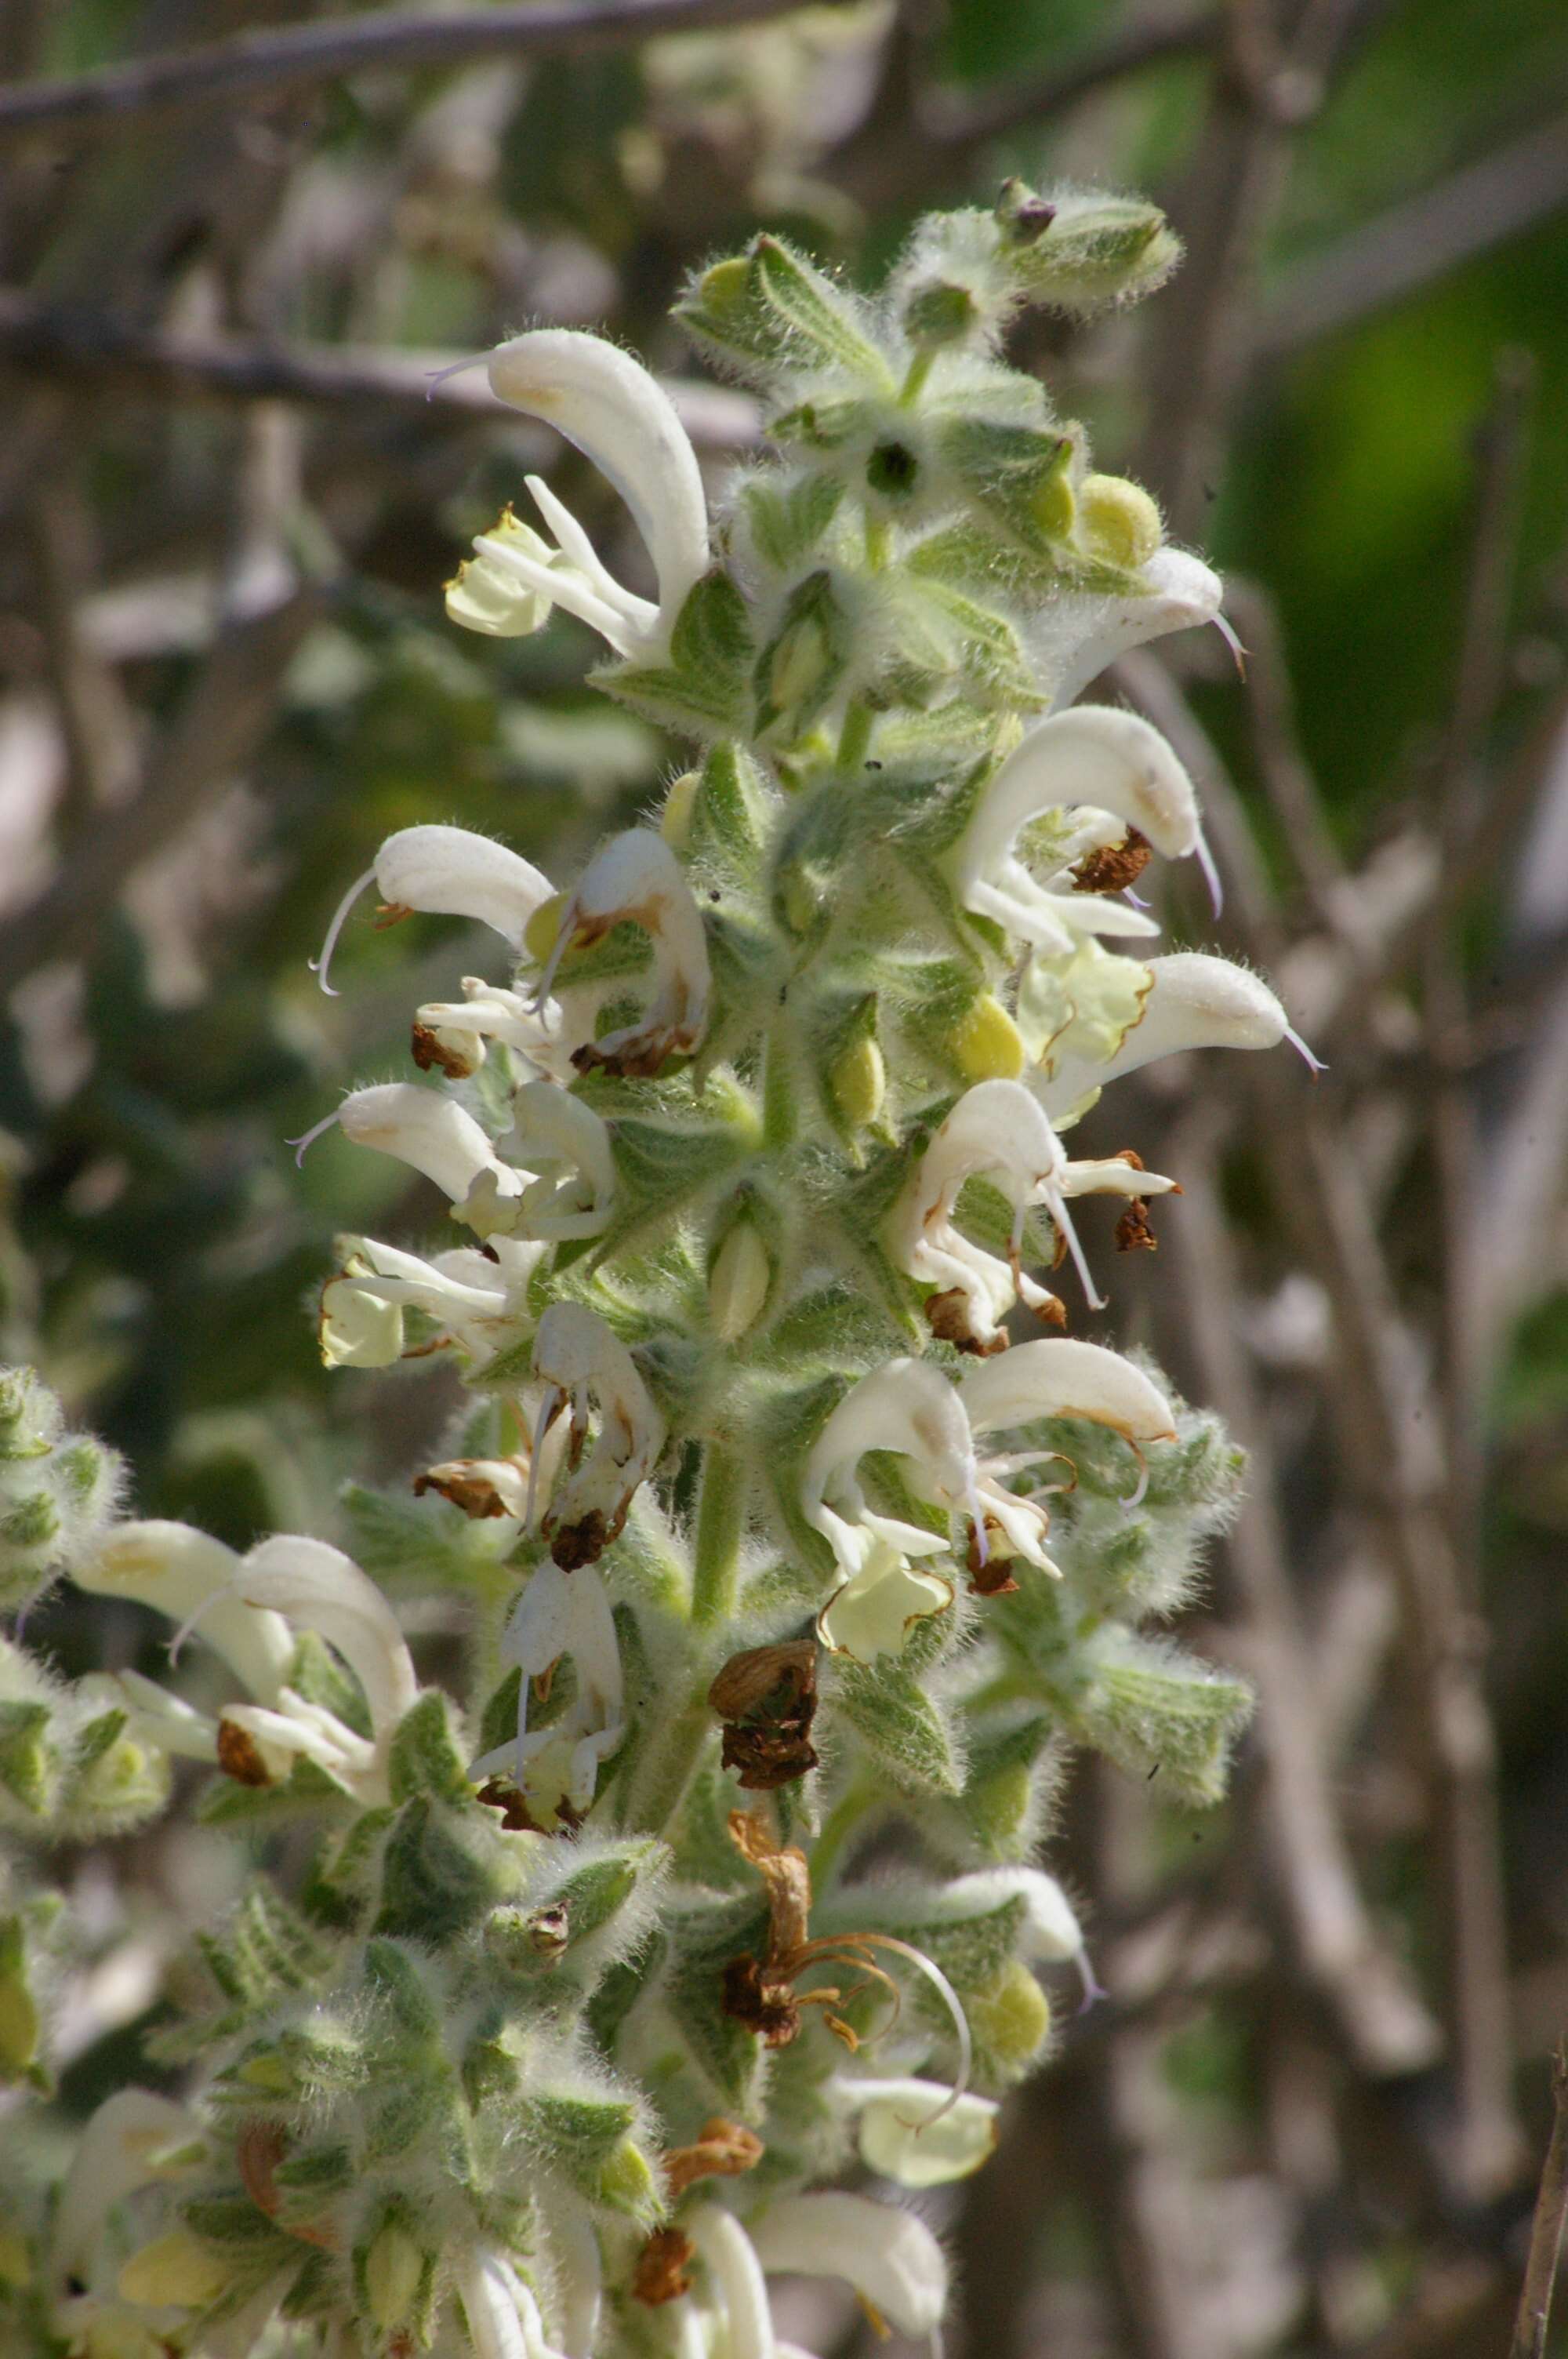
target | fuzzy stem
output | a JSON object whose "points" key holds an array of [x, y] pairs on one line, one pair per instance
{"points": [[856, 733], [720, 1522], [915, 380]]}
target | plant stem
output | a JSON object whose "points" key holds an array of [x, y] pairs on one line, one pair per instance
{"points": [[721, 1521]]}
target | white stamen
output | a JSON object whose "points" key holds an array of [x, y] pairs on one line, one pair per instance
{"points": [[1315, 1064], [1205, 861], [307, 1139], [318, 966]]}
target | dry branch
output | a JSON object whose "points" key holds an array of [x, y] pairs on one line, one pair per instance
{"points": [[1546, 2229], [398, 40]]}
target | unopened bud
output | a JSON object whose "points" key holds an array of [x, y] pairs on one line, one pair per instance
{"points": [[675, 820], [1053, 506], [938, 313], [738, 1283], [799, 662], [176, 2269], [1011, 2015], [859, 1082], [628, 2181], [987, 1046], [394, 2271], [1120, 521]]}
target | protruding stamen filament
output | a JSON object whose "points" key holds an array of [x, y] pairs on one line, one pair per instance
{"points": [[303, 1143], [1315, 1064], [340, 919]]}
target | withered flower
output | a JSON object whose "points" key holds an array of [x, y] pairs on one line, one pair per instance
{"points": [[767, 1700], [724, 2150], [762, 1993]]}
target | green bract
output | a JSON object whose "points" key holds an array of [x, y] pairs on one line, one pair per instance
{"points": [[786, 1512]]}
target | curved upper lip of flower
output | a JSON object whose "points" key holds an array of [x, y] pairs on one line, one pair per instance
{"points": [[607, 403], [1194, 1001], [1077, 634]]}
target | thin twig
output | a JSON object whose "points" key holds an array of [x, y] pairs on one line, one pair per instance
{"points": [[1419, 240], [397, 40], [93, 348], [1282, 766], [1546, 2228]]}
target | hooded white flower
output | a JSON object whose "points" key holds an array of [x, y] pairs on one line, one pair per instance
{"points": [[997, 1128], [909, 1408], [478, 1301], [611, 408], [438, 1136], [560, 1613], [891, 2258], [446, 871], [568, 1144], [1074, 637], [1195, 1002], [1050, 1934], [1059, 1377], [1098, 760], [582, 1365], [244, 1606], [636, 879]]}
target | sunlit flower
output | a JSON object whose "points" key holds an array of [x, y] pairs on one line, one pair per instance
{"points": [[1195, 1002], [1058, 1377], [1098, 760], [609, 405], [996, 1128], [636, 879], [438, 1136], [454, 1034], [248, 1609], [582, 1365], [556, 1768], [447, 872], [477, 1298], [1077, 633]]}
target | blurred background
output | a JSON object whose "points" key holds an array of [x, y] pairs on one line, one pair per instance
{"points": [[1311, 2116]]}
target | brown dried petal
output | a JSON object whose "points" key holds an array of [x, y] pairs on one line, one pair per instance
{"points": [[762, 2003], [260, 2148], [1134, 1234], [663, 2268], [469, 1485], [947, 1315], [772, 1681], [764, 1758], [1114, 866], [786, 1874], [432, 1054], [724, 2150], [575, 1545], [239, 1757]]}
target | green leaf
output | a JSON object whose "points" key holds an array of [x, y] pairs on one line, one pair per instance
{"points": [[432, 1887], [821, 323], [788, 519], [424, 1758], [897, 1723]]}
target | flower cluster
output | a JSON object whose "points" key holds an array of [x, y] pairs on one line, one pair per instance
{"points": [[800, 1538]]}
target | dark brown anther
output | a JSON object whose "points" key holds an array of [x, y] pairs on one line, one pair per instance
{"points": [[947, 1316], [993, 1577], [432, 1054], [238, 1757], [767, 1699], [635, 1061], [474, 1485], [500, 1794], [1114, 866], [582, 1543], [663, 2270], [764, 2003], [1134, 1234]]}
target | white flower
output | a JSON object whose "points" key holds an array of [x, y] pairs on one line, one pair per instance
{"points": [[244, 1606], [1195, 1002], [997, 1128], [914, 2131], [438, 1136], [608, 404], [911, 1409], [502, 2315], [556, 1768], [1059, 1377], [568, 1144], [478, 1300], [890, 2257], [446, 871], [1050, 1934], [580, 1361], [134, 2144], [453, 1034], [1095, 757], [636, 878], [1074, 637]]}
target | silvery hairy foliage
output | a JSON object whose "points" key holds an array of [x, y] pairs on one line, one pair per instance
{"points": [[800, 1541]]}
